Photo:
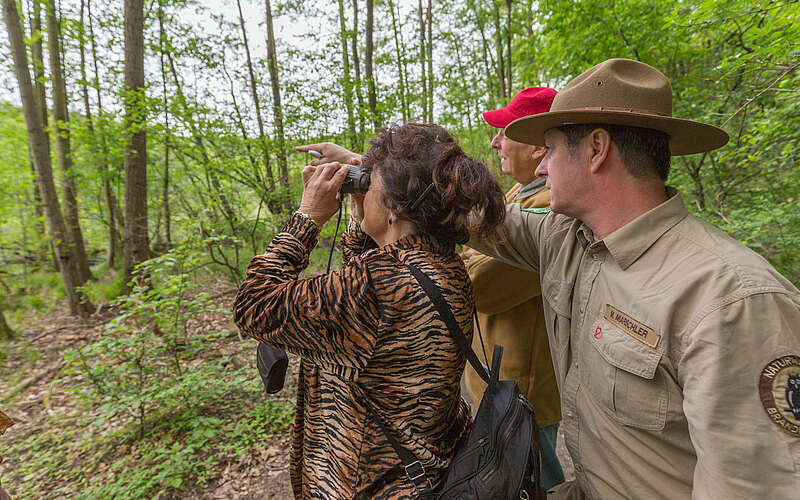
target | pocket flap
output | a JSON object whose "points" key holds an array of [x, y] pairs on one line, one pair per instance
{"points": [[618, 348]]}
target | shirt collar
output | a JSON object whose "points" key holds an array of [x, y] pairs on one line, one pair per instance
{"points": [[531, 188], [629, 242]]}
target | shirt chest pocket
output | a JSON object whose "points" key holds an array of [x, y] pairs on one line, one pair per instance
{"points": [[622, 376]]}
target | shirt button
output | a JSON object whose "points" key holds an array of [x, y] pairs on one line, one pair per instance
{"points": [[578, 468], [569, 414], [576, 364]]}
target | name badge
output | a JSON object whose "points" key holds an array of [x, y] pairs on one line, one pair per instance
{"points": [[635, 329]]}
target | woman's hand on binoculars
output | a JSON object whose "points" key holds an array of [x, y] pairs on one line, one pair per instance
{"points": [[321, 190], [330, 152]]}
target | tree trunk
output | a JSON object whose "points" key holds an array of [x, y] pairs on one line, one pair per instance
{"points": [[97, 159], [41, 100], [423, 68], [137, 244], [63, 148], [277, 111], [357, 66], [463, 76], [400, 53], [430, 61], [347, 84], [165, 190], [78, 302], [498, 45], [6, 333], [508, 46], [368, 66], [262, 137], [486, 62], [115, 218]]}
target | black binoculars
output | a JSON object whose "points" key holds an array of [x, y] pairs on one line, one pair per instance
{"points": [[356, 182]]}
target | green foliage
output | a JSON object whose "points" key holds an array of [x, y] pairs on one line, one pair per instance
{"points": [[154, 394], [139, 366]]}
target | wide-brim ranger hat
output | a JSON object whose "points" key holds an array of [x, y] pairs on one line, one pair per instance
{"points": [[529, 101], [620, 92]]}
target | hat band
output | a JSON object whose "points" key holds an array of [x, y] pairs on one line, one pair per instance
{"points": [[624, 110]]}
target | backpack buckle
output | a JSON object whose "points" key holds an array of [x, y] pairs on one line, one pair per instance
{"points": [[416, 473]]}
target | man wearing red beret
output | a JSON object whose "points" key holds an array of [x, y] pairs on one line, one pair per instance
{"points": [[509, 299]]}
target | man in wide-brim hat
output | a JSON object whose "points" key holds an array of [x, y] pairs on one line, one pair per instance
{"points": [[676, 349]]}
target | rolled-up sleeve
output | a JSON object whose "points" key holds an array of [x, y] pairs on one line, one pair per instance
{"points": [[742, 452], [330, 319]]}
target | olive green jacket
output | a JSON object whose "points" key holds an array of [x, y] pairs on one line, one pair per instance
{"points": [[509, 304]]}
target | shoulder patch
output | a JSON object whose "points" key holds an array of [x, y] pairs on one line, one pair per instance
{"points": [[779, 388], [544, 210]]}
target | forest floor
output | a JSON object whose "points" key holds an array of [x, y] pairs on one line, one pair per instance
{"points": [[37, 392], [52, 451]]}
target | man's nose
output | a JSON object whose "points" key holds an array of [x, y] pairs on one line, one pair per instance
{"points": [[541, 170], [496, 140]]}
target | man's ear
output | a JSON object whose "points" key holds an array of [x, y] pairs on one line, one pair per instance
{"points": [[600, 143], [538, 152]]}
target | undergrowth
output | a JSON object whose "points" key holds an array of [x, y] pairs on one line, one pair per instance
{"points": [[161, 401]]}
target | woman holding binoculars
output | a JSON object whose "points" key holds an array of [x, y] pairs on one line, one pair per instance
{"points": [[377, 361]]}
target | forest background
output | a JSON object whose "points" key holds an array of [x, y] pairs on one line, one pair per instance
{"points": [[146, 153]]}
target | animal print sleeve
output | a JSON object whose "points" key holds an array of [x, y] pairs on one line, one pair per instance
{"points": [[330, 319], [355, 242]]}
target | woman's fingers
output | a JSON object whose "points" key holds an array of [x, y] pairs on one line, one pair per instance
{"points": [[308, 171]]}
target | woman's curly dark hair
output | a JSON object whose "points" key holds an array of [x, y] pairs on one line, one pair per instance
{"points": [[465, 200]]}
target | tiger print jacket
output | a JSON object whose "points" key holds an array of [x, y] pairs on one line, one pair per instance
{"points": [[369, 325]]}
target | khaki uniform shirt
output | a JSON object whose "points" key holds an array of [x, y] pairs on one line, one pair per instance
{"points": [[509, 304], [677, 353]]}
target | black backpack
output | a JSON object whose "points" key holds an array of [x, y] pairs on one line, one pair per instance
{"points": [[500, 458]]}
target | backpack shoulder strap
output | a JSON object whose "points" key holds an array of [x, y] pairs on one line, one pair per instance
{"points": [[447, 316]]}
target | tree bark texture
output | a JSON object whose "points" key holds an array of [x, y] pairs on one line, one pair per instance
{"points": [[400, 57], [347, 83], [6, 333], [422, 67], [137, 242], [37, 138], [165, 187], [368, 66], [277, 111], [63, 149], [508, 48], [40, 96], [430, 60], [357, 67], [498, 43]]}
